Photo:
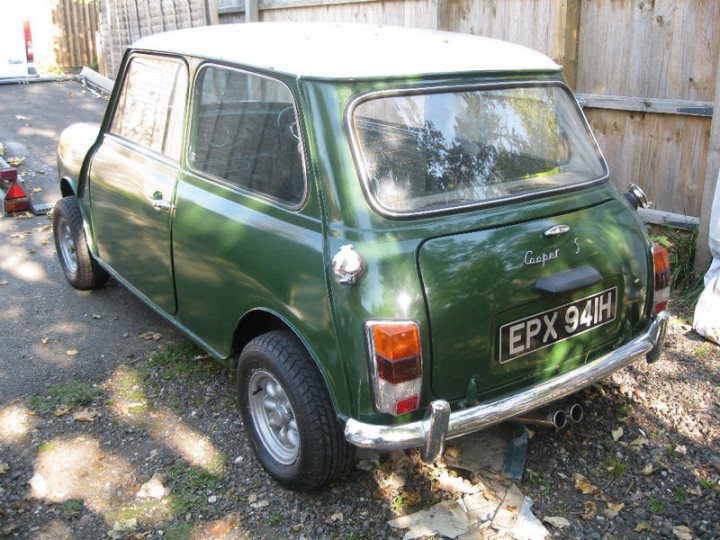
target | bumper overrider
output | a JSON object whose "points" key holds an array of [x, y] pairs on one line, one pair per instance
{"points": [[441, 424]]}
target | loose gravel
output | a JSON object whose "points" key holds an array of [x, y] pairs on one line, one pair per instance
{"points": [[155, 448]]}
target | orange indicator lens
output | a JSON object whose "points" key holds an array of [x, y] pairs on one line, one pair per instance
{"points": [[396, 341]]}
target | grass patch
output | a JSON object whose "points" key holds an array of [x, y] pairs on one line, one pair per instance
{"points": [[176, 359], [679, 495], [615, 466], [73, 393], [275, 519], [177, 531], [706, 484], [188, 486], [71, 507], [702, 352], [655, 505], [150, 511], [47, 447]]}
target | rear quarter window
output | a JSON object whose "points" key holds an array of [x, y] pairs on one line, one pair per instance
{"points": [[245, 133]]}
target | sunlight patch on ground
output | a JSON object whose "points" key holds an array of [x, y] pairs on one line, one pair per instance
{"points": [[24, 270], [79, 469], [195, 447], [16, 421], [129, 401]]}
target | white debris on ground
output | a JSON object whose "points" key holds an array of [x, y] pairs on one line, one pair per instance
{"points": [[490, 507]]}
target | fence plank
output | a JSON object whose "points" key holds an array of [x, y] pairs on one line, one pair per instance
{"points": [[664, 154], [655, 48]]}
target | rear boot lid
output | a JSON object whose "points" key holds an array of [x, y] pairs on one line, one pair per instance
{"points": [[527, 300]]}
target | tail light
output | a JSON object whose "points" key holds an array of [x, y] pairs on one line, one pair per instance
{"points": [[16, 200], [661, 263], [395, 365], [28, 42]]}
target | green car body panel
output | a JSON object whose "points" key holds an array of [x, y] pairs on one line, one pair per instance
{"points": [[221, 255]]}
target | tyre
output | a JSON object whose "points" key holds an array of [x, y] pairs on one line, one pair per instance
{"points": [[78, 265], [288, 416]]}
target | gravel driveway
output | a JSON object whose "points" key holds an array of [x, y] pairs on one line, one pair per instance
{"points": [[112, 425]]}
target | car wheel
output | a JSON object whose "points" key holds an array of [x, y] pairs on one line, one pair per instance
{"points": [[288, 415], [78, 265]]}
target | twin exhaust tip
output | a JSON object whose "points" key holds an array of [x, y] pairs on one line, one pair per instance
{"points": [[558, 418]]}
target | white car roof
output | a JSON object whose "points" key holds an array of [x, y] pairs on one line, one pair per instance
{"points": [[349, 51]]}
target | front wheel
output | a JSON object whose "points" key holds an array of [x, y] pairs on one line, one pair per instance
{"points": [[78, 265], [288, 414]]}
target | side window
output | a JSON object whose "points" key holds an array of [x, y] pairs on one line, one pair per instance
{"points": [[245, 132], [151, 105]]}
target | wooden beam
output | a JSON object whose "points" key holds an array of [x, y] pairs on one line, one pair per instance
{"points": [[669, 219], [641, 104]]}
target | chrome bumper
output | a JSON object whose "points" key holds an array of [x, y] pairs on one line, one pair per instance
{"points": [[441, 424]]}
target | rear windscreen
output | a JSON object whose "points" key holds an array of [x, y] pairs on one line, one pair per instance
{"points": [[430, 151]]}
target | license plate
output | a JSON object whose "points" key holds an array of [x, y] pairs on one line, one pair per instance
{"points": [[524, 336]]}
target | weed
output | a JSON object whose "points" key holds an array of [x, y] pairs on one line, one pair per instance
{"points": [[147, 511], [73, 393], [177, 359], [615, 466], [177, 531], [702, 352], [706, 484], [46, 447], [188, 485], [71, 507], [655, 505], [257, 484], [275, 519], [679, 495]]}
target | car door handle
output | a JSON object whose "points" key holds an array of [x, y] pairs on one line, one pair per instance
{"points": [[569, 280], [158, 202]]}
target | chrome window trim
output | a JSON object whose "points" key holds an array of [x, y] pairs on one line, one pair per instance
{"points": [[361, 169], [257, 195], [134, 145]]}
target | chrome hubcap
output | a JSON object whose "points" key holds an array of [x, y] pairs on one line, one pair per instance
{"points": [[67, 247], [273, 416]]}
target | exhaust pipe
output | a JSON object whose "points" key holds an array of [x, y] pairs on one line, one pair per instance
{"points": [[575, 412], [557, 419]]}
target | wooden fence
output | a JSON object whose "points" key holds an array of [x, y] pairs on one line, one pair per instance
{"points": [[124, 21], [645, 70], [76, 25]]}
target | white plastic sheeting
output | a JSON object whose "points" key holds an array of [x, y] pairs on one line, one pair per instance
{"points": [[707, 312]]}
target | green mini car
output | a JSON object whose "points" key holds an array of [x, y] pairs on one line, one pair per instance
{"points": [[394, 236]]}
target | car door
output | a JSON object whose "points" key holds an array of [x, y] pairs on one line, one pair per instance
{"points": [[133, 176]]}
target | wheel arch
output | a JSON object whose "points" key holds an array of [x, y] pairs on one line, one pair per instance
{"points": [[260, 321], [67, 187]]}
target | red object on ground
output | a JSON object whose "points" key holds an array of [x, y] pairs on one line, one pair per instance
{"points": [[16, 200]]}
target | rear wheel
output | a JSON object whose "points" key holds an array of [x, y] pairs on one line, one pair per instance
{"points": [[78, 265], [288, 414]]}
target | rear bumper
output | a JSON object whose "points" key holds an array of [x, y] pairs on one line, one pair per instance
{"points": [[441, 424]]}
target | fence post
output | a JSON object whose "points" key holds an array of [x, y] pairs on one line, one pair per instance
{"points": [[702, 251], [252, 11], [570, 38], [442, 14]]}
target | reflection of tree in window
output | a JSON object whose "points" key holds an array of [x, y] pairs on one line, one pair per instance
{"points": [[150, 107], [435, 149]]}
